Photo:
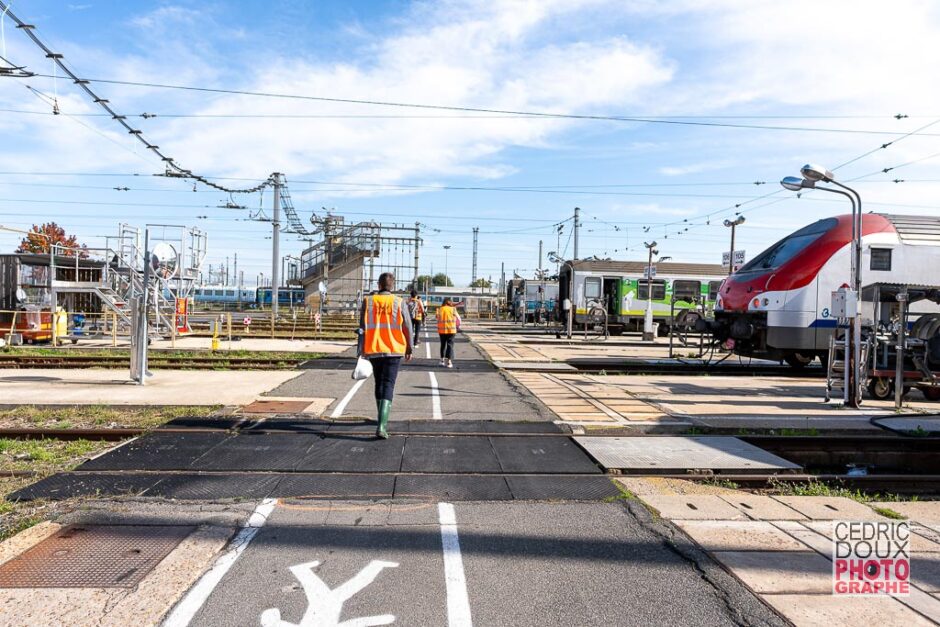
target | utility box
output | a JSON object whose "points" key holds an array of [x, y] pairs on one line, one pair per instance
{"points": [[844, 303]]}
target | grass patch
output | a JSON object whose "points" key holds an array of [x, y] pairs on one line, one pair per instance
{"points": [[46, 455], [625, 494], [818, 488], [887, 512], [721, 483], [97, 416]]}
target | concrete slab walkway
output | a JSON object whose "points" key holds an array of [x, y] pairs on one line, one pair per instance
{"points": [[113, 387]]}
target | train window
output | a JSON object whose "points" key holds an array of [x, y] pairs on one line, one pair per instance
{"points": [[881, 259], [659, 289], [686, 290], [788, 247], [592, 287], [713, 287]]}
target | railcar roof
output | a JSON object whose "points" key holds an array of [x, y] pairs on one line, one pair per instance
{"points": [[915, 229], [638, 267]]}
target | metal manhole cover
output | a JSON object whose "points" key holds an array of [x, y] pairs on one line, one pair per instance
{"points": [[91, 556], [276, 407]]}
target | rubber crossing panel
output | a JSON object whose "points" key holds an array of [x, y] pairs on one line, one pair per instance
{"points": [[541, 455], [158, 451], [562, 488], [452, 488], [200, 487], [353, 453], [68, 485], [259, 451], [186, 422], [450, 454], [329, 486]]}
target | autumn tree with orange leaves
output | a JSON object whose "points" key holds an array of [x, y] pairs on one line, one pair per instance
{"points": [[40, 239]]}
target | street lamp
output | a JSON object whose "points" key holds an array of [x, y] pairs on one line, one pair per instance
{"points": [[813, 174], [648, 335], [733, 224], [446, 248]]}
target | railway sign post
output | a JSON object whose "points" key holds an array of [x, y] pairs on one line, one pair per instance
{"points": [[739, 258]]}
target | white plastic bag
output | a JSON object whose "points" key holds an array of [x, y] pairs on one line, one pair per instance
{"points": [[363, 369]]}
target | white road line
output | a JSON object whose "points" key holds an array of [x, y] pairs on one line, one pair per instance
{"points": [[187, 608], [427, 343], [338, 410], [435, 398], [458, 601]]}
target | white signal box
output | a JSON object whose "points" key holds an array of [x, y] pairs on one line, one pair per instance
{"points": [[844, 303]]}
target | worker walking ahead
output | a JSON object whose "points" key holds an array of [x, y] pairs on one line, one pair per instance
{"points": [[385, 336], [448, 323], [416, 309]]}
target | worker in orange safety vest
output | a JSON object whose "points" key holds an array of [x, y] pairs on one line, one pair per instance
{"points": [[385, 336], [416, 309], [448, 323]]}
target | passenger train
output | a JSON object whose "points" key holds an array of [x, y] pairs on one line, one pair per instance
{"points": [[222, 295], [621, 289], [777, 306]]}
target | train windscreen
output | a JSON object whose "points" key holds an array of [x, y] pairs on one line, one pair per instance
{"points": [[784, 250]]}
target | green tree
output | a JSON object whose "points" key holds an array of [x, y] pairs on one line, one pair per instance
{"points": [[481, 282], [424, 282], [442, 280]]}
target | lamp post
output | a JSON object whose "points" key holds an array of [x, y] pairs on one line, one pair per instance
{"points": [[733, 224], [446, 248], [648, 335], [813, 174]]}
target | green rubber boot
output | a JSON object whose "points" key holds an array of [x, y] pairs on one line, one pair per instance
{"points": [[385, 408]]}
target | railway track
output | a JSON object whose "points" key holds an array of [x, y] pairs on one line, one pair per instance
{"points": [[902, 465], [154, 361]]}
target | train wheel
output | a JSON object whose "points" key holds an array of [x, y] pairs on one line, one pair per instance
{"points": [[931, 393], [798, 360], [880, 388]]}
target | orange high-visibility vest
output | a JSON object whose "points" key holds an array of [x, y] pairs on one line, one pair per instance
{"points": [[446, 320], [384, 321], [419, 310]]}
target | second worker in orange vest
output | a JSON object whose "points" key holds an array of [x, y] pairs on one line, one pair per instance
{"points": [[448, 323], [385, 337]]}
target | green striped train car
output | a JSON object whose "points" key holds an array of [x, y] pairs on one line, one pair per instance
{"points": [[621, 289]]}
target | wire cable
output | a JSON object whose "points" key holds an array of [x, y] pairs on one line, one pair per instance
{"points": [[173, 168]]}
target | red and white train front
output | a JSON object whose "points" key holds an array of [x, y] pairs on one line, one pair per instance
{"points": [[778, 305]]}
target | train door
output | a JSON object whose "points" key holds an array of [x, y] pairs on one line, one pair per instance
{"points": [[611, 296]]}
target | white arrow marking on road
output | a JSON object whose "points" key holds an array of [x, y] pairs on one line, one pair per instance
{"points": [[458, 601], [186, 609], [325, 606], [435, 398], [338, 411]]}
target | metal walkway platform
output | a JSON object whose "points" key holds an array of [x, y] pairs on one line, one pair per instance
{"points": [[680, 454]]}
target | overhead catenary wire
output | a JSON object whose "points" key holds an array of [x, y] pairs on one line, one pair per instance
{"points": [[682, 121], [173, 168]]}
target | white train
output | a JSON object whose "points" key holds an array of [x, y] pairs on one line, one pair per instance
{"points": [[777, 306]]}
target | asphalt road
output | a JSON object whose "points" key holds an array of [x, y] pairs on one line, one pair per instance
{"points": [[520, 564], [473, 390]]}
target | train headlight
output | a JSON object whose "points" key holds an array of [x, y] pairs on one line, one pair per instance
{"points": [[756, 303]]}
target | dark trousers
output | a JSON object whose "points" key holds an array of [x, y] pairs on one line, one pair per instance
{"points": [[447, 345], [385, 371], [416, 326]]}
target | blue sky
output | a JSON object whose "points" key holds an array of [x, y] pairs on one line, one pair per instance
{"points": [[816, 67]]}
